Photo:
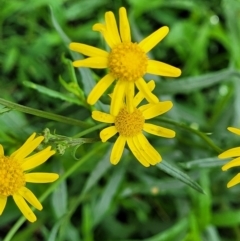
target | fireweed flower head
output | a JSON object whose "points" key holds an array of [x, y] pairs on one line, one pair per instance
{"points": [[130, 123], [14, 175], [235, 153], [127, 61]]}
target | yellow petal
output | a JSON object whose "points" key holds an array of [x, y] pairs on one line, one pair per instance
{"points": [[234, 163], [117, 97], [30, 197], [3, 202], [135, 150], [106, 35], [29, 140], [152, 151], [160, 68], [158, 130], [129, 96], [139, 96], [88, 50], [24, 208], [100, 88], [37, 159], [157, 109], [230, 153], [124, 25], [117, 150], [1, 150], [146, 149], [234, 181], [107, 133], [142, 87], [112, 29], [149, 42], [27, 148], [102, 117], [41, 177], [234, 130], [92, 62]]}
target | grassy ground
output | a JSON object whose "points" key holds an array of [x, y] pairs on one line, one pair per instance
{"points": [[94, 200]]}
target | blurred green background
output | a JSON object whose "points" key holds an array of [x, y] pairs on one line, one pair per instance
{"points": [[126, 202]]}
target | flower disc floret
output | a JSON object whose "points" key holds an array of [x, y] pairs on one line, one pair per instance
{"points": [[127, 61], [129, 124], [11, 176]]}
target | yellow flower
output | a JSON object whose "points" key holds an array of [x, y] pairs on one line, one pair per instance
{"points": [[14, 176], [127, 61], [233, 152], [130, 124]]}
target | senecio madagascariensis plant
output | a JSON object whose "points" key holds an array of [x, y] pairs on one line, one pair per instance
{"points": [[14, 175], [129, 123], [233, 152], [127, 61]]}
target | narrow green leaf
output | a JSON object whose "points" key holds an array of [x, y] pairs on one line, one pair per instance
{"points": [[54, 231], [52, 93], [226, 219], [87, 79], [87, 226], [204, 209], [103, 205], [100, 169], [171, 233], [60, 197], [211, 233], [204, 163], [176, 173], [72, 87], [187, 85]]}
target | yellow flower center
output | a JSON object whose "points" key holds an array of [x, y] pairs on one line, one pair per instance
{"points": [[127, 61], [129, 124], [11, 176]]}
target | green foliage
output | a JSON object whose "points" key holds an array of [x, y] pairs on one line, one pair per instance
{"points": [[184, 198]]}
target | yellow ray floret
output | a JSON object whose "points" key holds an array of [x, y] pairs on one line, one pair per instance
{"points": [[127, 61], [130, 126], [233, 152], [13, 176]]}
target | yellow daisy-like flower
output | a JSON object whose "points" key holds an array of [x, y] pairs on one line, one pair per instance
{"points": [[233, 152], [14, 176], [130, 124], [127, 61]]}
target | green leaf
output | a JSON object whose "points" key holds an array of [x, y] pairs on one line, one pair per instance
{"points": [[88, 81], [60, 197], [176, 173], [100, 169], [204, 163], [226, 219], [52, 93], [72, 87], [103, 205], [187, 85], [172, 233], [87, 223]]}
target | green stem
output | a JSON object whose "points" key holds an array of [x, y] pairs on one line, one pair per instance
{"points": [[91, 129], [43, 114], [21, 220], [199, 133]]}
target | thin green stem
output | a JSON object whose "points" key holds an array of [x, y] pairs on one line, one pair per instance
{"points": [[199, 133], [43, 114], [21, 220], [91, 129]]}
